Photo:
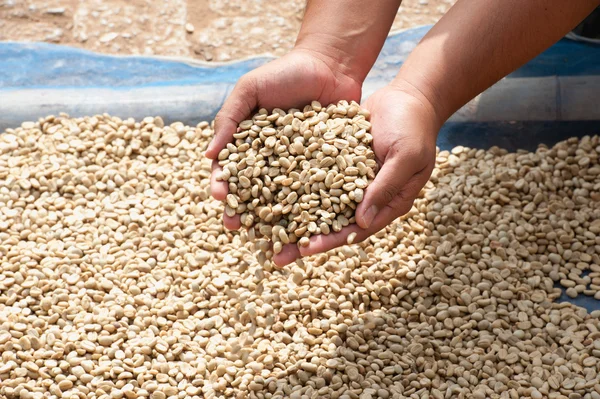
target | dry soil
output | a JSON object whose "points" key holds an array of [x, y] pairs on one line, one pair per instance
{"points": [[222, 30]]}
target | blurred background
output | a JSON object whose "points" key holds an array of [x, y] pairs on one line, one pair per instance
{"points": [[208, 30]]}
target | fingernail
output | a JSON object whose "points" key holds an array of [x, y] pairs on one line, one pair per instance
{"points": [[370, 215]]}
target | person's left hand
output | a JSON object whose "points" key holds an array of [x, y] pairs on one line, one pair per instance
{"points": [[404, 128]]}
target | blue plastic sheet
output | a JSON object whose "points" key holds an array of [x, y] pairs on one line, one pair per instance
{"points": [[49, 66], [37, 79], [44, 65], [553, 97]]}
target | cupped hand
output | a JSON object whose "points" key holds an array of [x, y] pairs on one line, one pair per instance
{"points": [[404, 125], [293, 80]]}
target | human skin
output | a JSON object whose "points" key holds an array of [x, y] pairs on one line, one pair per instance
{"points": [[473, 46]]}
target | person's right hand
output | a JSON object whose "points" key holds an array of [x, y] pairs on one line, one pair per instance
{"points": [[293, 80], [404, 126]]}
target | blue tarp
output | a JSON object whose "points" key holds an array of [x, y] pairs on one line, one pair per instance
{"points": [[50, 66], [555, 96], [39, 78], [44, 65]]}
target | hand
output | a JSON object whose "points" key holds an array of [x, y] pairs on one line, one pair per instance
{"points": [[291, 81], [404, 126]]}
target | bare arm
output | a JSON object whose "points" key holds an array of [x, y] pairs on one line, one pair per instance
{"points": [[350, 33], [480, 41]]}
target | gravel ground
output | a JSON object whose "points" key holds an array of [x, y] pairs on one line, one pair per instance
{"points": [[210, 30]]}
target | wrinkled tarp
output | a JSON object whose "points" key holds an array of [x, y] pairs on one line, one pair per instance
{"points": [[37, 79]]}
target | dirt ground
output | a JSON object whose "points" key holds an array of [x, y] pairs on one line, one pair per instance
{"points": [[210, 30]]}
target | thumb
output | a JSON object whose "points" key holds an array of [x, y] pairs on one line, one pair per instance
{"points": [[388, 184], [238, 106]]}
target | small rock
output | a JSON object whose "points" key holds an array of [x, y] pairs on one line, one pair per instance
{"points": [[55, 36], [56, 11], [189, 28], [108, 37]]}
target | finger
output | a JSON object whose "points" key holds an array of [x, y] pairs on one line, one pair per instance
{"points": [[232, 222], [288, 254], [238, 106], [218, 188], [325, 242], [387, 185]]}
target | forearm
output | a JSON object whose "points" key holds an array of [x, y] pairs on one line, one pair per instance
{"points": [[347, 33], [480, 41]]}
